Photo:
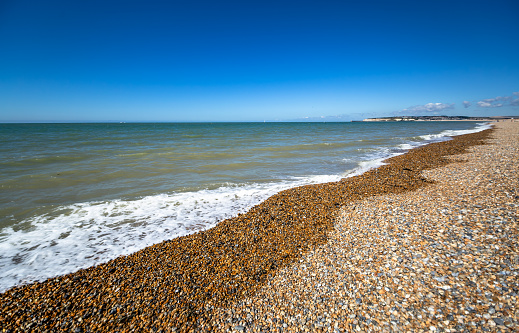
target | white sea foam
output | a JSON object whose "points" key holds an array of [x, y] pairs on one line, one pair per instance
{"points": [[379, 155], [407, 146], [85, 234], [365, 166], [449, 133]]}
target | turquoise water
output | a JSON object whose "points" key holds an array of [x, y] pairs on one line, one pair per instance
{"points": [[73, 195]]}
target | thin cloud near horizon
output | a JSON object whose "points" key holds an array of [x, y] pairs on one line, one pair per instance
{"points": [[435, 107], [432, 108]]}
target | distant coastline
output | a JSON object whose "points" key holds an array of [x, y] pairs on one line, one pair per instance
{"points": [[442, 118]]}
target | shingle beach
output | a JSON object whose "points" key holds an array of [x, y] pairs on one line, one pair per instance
{"points": [[424, 243]]}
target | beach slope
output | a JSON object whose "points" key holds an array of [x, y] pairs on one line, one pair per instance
{"points": [[383, 250], [443, 258]]}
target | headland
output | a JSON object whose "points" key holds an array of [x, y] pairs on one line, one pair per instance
{"points": [[444, 118]]}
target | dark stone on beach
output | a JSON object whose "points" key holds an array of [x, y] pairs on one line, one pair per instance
{"points": [[499, 321]]}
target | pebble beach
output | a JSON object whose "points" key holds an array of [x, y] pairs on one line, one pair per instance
{"points": [[443, 258], [426, 243]]}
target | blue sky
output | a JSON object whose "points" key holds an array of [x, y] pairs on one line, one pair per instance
{"points": [[256, 60]]}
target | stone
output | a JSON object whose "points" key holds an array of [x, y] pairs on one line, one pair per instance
{"points": [[499, 321]]}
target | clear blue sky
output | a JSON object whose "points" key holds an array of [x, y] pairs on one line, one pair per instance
{"points": [[256, 60]]}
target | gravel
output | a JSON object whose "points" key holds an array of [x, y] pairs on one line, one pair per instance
{"points": [[443, 258]]}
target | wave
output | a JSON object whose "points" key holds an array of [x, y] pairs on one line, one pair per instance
{"points": [[84, 234], [377, 156], [450, 133]]}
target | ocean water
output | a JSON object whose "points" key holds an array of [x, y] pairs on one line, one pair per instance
{"points": [[75, 195]]}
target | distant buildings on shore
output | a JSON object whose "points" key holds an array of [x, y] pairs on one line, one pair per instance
{"points": [[441, 118]]}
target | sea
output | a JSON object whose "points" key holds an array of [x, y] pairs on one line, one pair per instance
{"points": [[76, 195]]}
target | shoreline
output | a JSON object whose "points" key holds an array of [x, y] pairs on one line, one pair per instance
{"points": [[101, 227], [182, 282], [442, 258], [397, 121]]}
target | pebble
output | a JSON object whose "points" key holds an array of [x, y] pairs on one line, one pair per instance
{"points": [[428, 240], [443, 257]]}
